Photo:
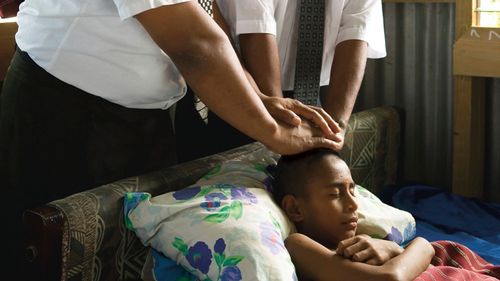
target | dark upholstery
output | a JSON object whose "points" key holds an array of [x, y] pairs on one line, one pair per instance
{"points": [[82, 237]]}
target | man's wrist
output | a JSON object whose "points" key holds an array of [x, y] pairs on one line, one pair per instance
{"points": [[342, 123]]}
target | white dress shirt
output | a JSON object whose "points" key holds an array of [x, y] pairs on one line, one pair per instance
{"points": [[99, 47], [344, 20]]}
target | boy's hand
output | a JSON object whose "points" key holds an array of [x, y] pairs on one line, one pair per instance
{"points": [[363, 248]]}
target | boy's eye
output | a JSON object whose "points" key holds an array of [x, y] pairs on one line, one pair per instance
{"points": [[334, 194]]}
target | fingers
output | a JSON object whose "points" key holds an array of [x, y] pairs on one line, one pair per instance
{"points": [[354, 249], [319, 117], [334, 126], [277, 107], [346, 243], [287, 116], [320, 142], [370, 256]]}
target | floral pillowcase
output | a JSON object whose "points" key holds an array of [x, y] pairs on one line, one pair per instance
{"points": [[216, 230], [383, 221]]}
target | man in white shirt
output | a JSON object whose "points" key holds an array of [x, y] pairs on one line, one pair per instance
{"points": [[265, 33], [84, 100]]}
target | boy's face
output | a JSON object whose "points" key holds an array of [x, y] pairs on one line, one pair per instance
{"points": [[328, 206]]}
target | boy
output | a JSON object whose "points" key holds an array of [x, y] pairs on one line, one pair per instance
{"points": [[316, 191]]}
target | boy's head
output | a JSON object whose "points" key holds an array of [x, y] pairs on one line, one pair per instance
{"points": [[316, 191]]}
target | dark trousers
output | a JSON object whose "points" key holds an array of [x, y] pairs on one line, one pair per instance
{"points": [[196, 139], [56, 140]]}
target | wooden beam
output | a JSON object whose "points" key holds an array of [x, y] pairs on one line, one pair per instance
{"points": [[468, 119], [468, 137], [7, 44], [477, 53]]}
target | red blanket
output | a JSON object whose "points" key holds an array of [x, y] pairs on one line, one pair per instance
{"points": [[454, 261]]}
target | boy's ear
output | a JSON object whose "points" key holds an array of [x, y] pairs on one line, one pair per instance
{"points": [[292, 208]]}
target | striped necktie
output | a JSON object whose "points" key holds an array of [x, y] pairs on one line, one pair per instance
{"points": [[311, 15]]}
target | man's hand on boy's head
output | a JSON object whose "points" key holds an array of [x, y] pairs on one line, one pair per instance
{"points": [[297, 139], [290, 112], [363, 248]]}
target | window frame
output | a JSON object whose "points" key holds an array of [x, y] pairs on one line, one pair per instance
{"points": [[477, 49], [476, 18]]}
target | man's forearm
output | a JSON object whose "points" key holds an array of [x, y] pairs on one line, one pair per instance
{"points": [[204, 56], [260, 56], [346, 76]]}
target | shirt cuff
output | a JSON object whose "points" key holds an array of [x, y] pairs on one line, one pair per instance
{"points": [[376, 46], [245, 27], [130, 8]]}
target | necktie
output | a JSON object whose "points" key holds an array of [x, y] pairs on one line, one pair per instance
{"points": [[311, 15]]}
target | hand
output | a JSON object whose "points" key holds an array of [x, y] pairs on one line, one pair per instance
{"points": [[341, 137], [295, 139], [363, 248], [289, 110]]}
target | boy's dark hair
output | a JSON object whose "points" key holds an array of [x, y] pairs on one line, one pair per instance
{"points": [[291, 172]]}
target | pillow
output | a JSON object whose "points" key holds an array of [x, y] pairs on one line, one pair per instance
{"points": [[160, 268], [383, 221], [216, 230], [376, 219]]}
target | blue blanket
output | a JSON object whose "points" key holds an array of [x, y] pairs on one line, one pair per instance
{"points": [[444, 216]]}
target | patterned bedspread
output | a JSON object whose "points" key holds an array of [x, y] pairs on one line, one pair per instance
{"points": [[454, 261]]}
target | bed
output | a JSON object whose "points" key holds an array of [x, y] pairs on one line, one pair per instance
{"points": [[83, 236]]}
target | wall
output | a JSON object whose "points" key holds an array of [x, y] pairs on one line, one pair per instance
{"points": [[416, 76]]}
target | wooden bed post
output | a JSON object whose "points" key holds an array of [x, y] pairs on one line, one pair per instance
{"points": [[468, 119]]}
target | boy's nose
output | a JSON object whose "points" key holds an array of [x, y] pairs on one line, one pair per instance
{"points": [[352, 204]]}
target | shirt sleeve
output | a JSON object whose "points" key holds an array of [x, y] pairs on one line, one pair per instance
{"points": [[249, 16], [363, 20], [130, 8]]}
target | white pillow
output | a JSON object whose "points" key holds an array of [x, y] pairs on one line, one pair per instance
{"points": [[383, 221]]}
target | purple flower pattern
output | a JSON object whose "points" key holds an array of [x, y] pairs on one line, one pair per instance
{"points": [[220, 246], [200, 257], [395, 236], [215, 196], [242, 193], [186, 193], [231, 273], [270, 237]]}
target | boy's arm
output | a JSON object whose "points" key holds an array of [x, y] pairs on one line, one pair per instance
{"points": [[363, 248], [316, 262]]}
